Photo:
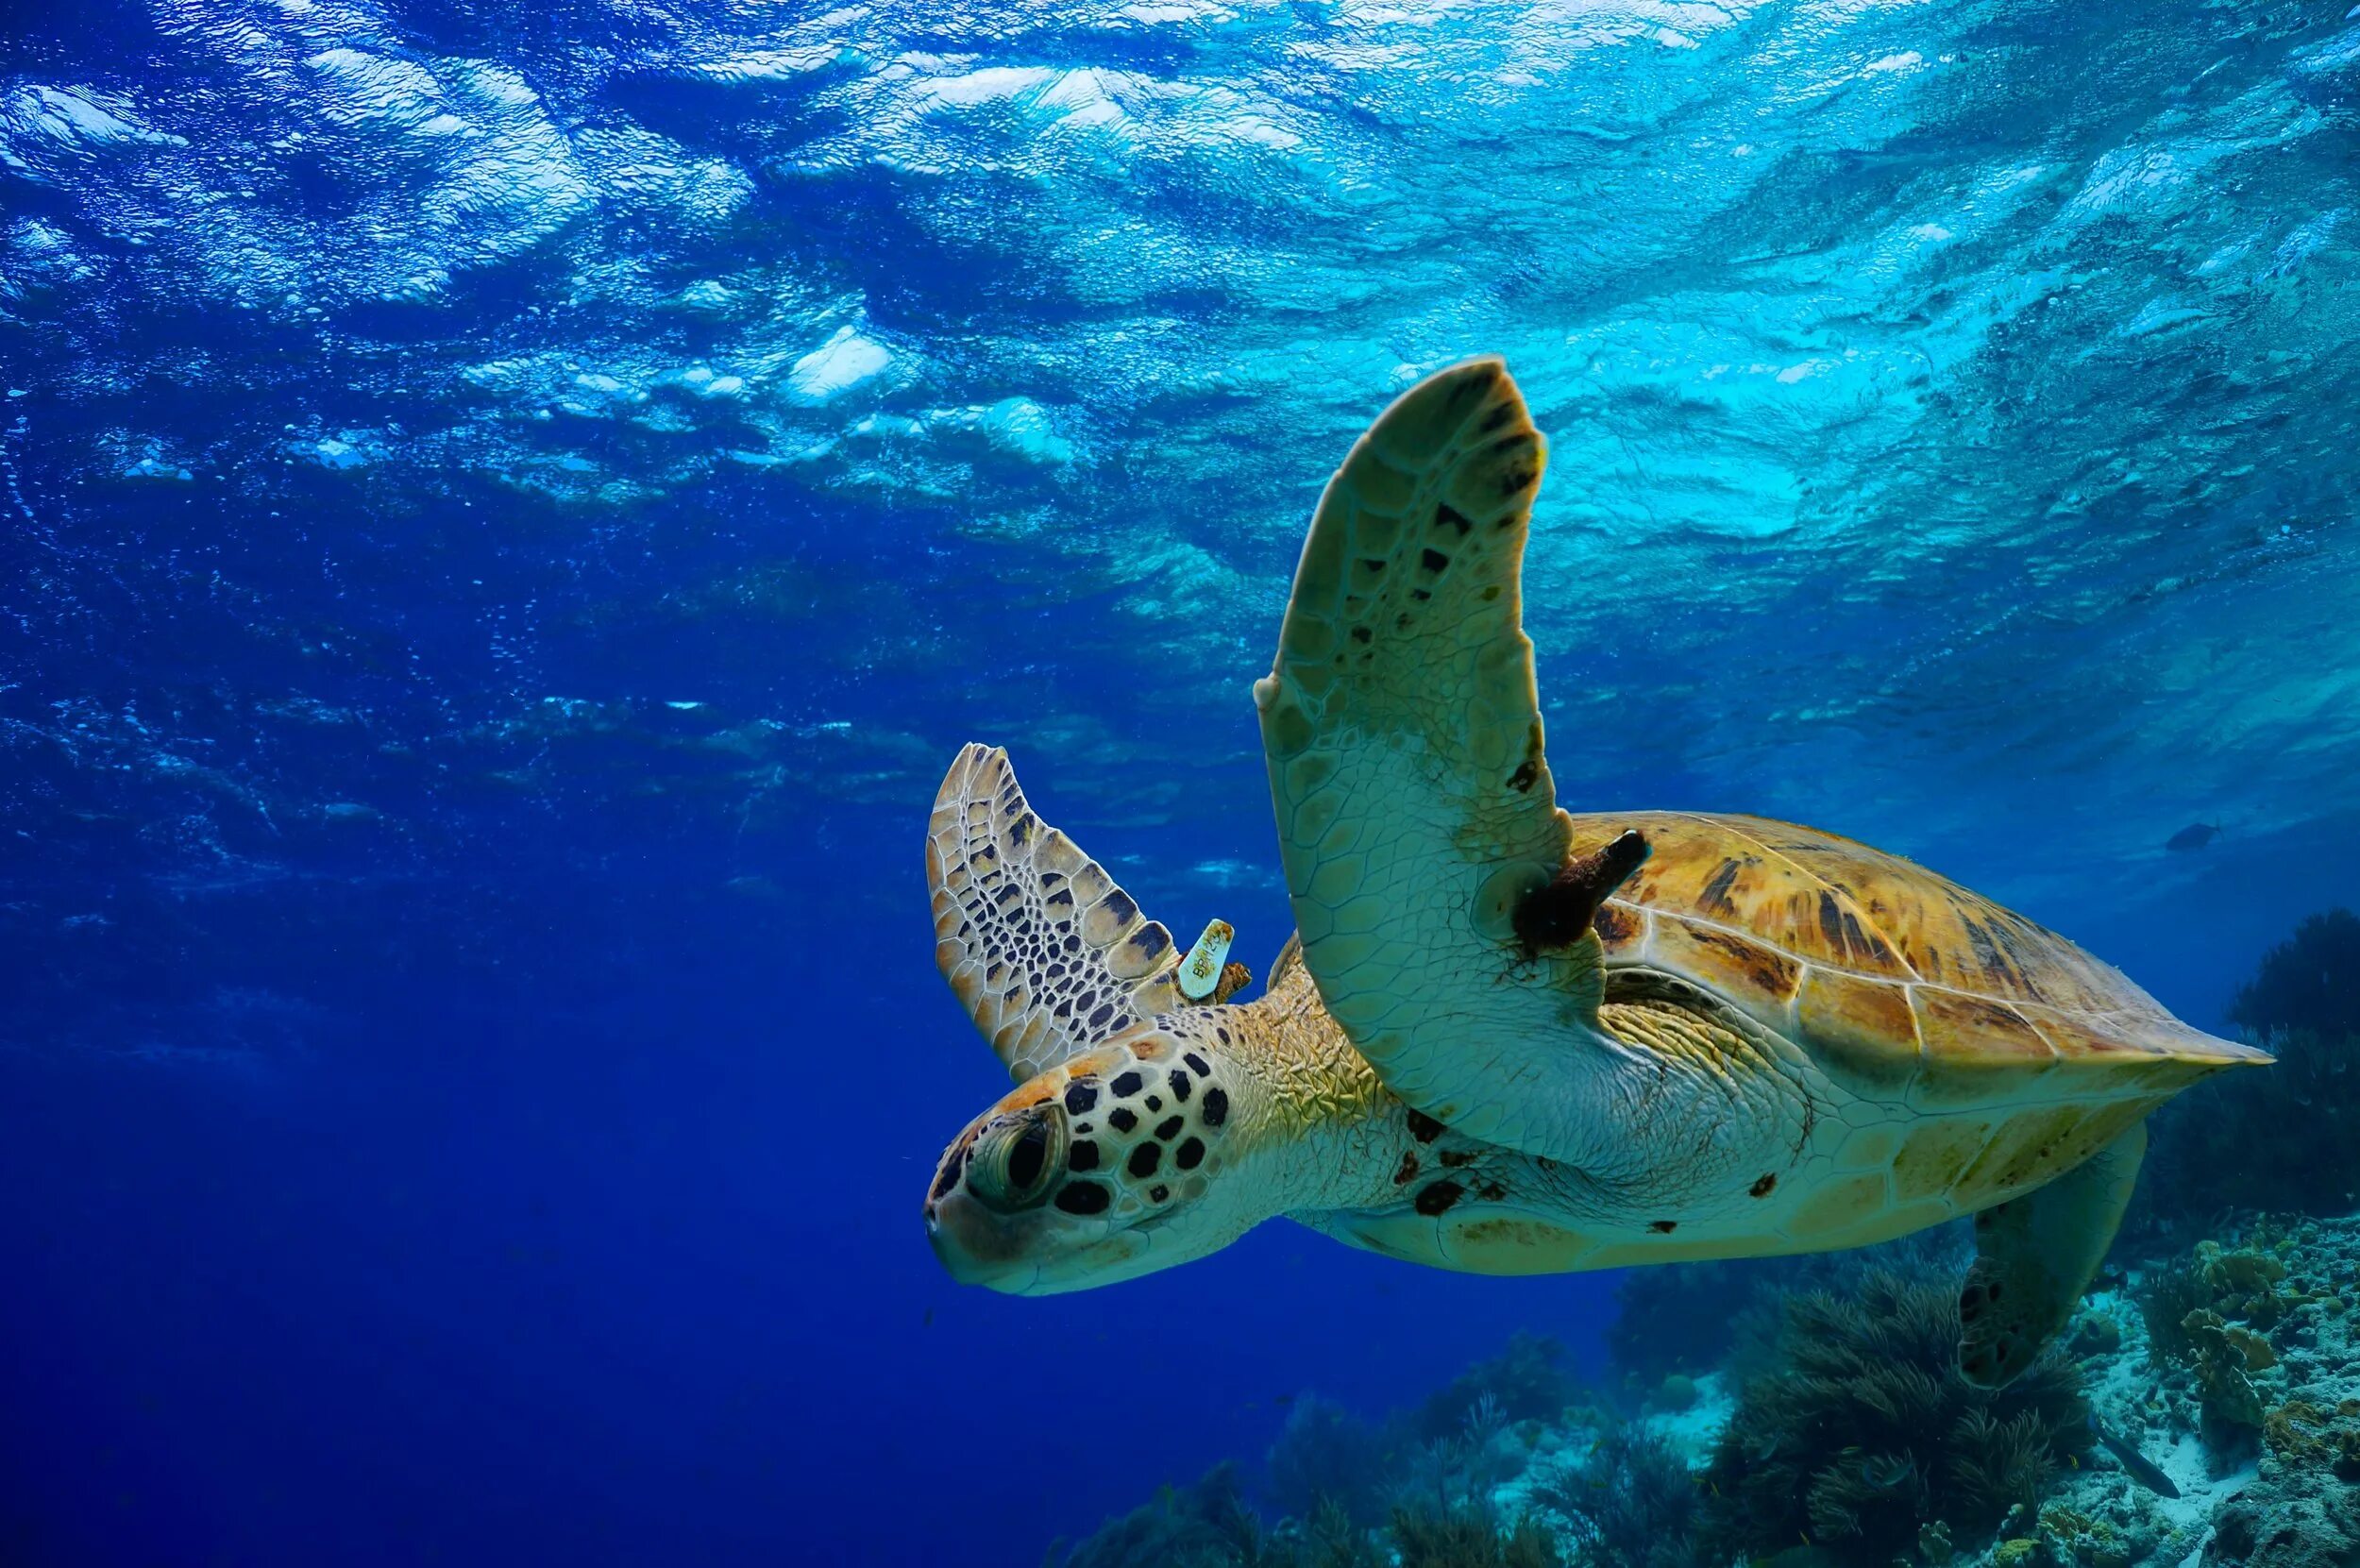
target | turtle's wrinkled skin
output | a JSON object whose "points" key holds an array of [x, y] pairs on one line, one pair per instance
{"points": [[1509, 1039]]}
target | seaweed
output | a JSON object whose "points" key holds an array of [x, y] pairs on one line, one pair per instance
{"points": [[1459, 1470], [1688, 1318], [1330, 1539], [2285, 1139], [1631, 1502], [2166, 1295], [1204, 1526], [1681, 1317], [1863, 1433], [1468, 1538], [1210, 1524], [2309, 984], [1525, 1382], [1328, 1454]]}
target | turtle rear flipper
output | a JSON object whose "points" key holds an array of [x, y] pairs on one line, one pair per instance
{"points": [[2035, 1255]]}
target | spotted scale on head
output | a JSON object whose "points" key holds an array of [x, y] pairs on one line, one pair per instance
{"points": [[1082, 1198], [1149, 1152]]}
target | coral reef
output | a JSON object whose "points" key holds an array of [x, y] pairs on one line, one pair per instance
{"points": [[2068, 1538], [1445, 1456], [2223, 1369], [2286, 1140], [2281, 1523], [1865, 1434], [2240, 1375], [2209, 1315], [2302, 1509], [2226, 1369]]}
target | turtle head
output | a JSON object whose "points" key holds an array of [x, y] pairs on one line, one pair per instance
{"points": [[1112, 1164]]}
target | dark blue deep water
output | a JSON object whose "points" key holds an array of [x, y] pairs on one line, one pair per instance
{"points": [[509, 508]]}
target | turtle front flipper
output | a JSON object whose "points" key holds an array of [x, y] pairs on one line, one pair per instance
{"points": [[1048, 955], [2035, 1255], [1417, 818]]}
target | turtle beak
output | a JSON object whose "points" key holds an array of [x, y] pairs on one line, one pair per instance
{"points": [[1020, 1256], [977, 1246]]}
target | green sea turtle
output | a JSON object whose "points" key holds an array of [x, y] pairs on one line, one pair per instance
{"points": [[1506, 1038]]}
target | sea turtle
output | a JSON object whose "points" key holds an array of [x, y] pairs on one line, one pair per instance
{"points": [[1506, 1038]]}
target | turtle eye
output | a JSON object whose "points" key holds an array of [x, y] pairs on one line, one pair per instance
{"points": [[1027, 1156], [1013, 1161]]}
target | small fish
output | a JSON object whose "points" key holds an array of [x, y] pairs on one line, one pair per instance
{"points": [[2139, 1467], [1282, 1399], [1889, 1471], [929, 1318], [2194, 837]]}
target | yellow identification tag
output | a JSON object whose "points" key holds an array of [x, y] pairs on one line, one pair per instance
{"points": [[1200, 972]]}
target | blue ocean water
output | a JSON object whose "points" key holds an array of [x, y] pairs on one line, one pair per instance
{"points": [[512, 508]]}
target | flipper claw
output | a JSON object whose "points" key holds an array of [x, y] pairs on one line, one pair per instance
{"points": [[1560, 913], [1234, 978]]}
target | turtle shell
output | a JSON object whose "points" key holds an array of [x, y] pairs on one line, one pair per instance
{"points": [[1898, 982]]}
